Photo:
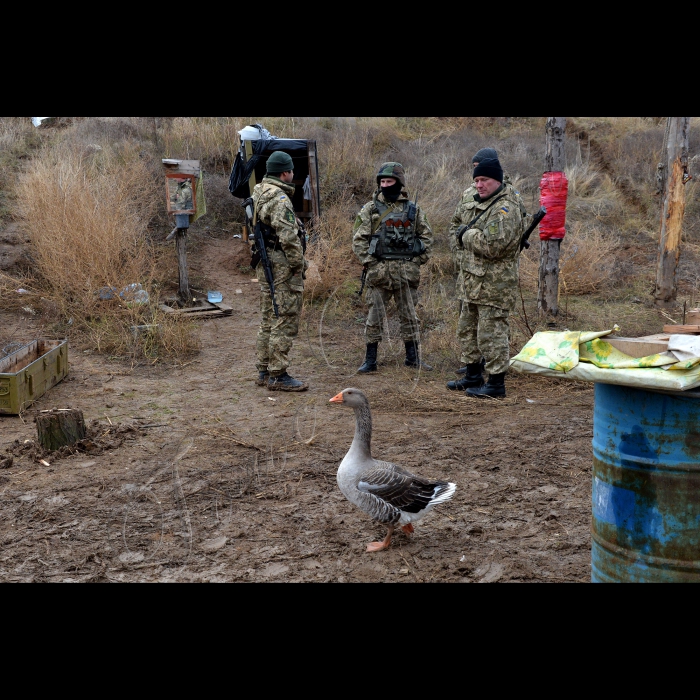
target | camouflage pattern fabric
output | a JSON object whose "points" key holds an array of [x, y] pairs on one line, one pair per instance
{"points": [[184, 200], [489, 252], [391, 279], [457, 251], [484, 331], [406, 299], [276, 336], [392, 170], [367, 222]]}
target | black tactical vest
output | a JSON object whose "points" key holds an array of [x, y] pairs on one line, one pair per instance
{"points": [[396, 237]]}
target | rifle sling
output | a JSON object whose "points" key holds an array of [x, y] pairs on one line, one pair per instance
{"points": [[471, 224]]}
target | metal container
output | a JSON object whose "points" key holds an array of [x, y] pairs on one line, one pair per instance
{"points": [[29, 373], [646, 487]]}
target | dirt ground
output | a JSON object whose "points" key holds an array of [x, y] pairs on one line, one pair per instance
{"points": [[197, 475]]}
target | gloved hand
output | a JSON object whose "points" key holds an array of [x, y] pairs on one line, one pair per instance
{"points": [[460, 236]]}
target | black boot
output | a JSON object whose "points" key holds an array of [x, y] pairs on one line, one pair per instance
{"points": [[412, 357], [495, 389], [370, 360], [465, 370], [286, 383], [474, 379], [263, 379]]}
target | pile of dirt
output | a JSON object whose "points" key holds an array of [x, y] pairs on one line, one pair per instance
{"points": [[13, 247], [100, 439]]}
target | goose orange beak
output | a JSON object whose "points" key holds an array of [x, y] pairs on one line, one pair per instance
{"points": [[338, 399]]}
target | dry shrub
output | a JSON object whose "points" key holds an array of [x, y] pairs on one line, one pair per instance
{"points": [[331, 253], [10, 299], [142, 333], [87, 217], [588, 262]]}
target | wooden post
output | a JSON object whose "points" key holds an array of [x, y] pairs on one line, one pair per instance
{"points": [[57, 429], [184, 286], [555, 161], [677, 177]]}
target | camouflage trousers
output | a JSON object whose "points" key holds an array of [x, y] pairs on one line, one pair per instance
{"points": [[379, 299], [276, 335], [484, 332]]}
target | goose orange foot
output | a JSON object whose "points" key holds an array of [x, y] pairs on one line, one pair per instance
{"points": [[409, 529], [381, 546]]}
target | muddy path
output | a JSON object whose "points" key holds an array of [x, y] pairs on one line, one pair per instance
{"points": [[217, 480]]}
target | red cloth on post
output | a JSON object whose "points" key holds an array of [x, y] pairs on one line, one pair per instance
{"points": [[554, 190]]}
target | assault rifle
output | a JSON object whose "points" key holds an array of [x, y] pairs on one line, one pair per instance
{"points": [[539, 217], [363, 281], [260, 250]]}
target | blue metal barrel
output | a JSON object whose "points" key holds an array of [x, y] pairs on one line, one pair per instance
{"points": [[646, 487]]}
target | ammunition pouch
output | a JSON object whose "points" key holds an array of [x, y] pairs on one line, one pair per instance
{"points": [[396, 237]]}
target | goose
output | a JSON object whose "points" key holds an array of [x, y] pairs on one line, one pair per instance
{"points": [[389, 494]]}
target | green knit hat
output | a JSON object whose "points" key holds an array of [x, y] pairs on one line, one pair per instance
{"points": [[393, 170], [279, 162]]}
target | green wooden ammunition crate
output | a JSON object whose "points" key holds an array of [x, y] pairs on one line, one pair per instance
{"points": [[29, 373]]}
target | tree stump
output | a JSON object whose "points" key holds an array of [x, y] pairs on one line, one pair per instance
{"points": [[57, 429]]}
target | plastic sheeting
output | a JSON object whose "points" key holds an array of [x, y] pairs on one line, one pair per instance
{"points": [[554, 196], [238, 184], [582, 356]]}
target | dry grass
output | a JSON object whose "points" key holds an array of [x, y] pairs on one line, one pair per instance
{"points": [[87, 216], [90, 228], [86, 219]]}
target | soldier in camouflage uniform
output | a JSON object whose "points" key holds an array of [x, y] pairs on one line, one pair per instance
{"points": [[274, 208], [392, 239], [485, 235], [483, 154]]}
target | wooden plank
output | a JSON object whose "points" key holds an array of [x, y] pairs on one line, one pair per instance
{"points": [[313, 173], [167, 309], [692, 318], [638, 347], [682, 330], [248, 155]]}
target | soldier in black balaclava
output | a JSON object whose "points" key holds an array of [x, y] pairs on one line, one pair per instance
{"points": [[392, 239]]}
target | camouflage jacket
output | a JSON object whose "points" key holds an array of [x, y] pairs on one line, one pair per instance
{"points": [[389, 274], [275, 209], [489, 252]]}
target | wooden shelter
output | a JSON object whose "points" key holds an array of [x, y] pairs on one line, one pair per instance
{"points": [[251, 167]]}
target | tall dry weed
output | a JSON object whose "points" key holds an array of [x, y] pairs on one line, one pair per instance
{"points": [[588, 262], [87, 215], [86, 218]]}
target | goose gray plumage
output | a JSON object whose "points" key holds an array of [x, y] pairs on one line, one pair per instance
{"points": [[389, 494]]}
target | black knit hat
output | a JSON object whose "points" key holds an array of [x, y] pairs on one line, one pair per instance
{"points": [[485, 154], [490, 168]]}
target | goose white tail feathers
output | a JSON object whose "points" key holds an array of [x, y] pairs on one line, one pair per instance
{"points": [[444, 494]]}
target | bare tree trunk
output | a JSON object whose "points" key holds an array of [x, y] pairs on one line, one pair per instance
{"points": [[57, 429], [673, 210], [555, 161], [662, 171]]}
